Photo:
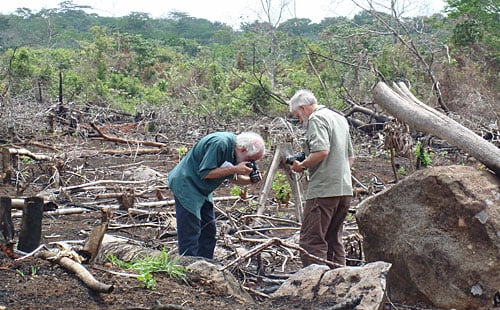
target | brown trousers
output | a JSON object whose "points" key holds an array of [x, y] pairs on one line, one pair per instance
{"points": [[322, 228]]}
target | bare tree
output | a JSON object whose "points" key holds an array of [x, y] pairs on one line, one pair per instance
{"points": [[401, 33], [273, 12]]}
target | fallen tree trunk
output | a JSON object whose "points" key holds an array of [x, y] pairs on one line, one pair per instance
{"points": [[403, 105]]}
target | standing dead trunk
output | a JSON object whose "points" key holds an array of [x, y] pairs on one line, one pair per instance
{"points": [[31, 224], [401, 103], [6, 166], [6, 220]]}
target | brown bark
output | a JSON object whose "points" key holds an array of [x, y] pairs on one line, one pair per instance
{"points": [[401, 103]]}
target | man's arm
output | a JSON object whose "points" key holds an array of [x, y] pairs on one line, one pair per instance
{"points": [[223, 172]]}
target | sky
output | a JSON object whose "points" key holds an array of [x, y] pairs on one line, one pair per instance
{"points": [[231, 12]]}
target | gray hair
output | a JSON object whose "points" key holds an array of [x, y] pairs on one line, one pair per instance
{"points": [[251, 141], [302, 97]]}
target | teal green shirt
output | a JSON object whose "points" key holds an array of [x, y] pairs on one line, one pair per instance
{"points": [[329, 131], [186, 179]]}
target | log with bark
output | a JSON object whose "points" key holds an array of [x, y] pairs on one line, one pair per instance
{"points": [[403, 105]]}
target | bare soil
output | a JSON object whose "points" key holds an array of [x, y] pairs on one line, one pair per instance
{"points": [[34, 283]]}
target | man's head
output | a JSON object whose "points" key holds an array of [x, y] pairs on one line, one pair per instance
{"points": [[249, 147], [302, 104]]}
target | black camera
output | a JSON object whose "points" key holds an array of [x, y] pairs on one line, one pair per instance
{"points": [[254, 175], [300, 156]]}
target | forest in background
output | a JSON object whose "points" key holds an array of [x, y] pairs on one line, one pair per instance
{"points": [[193, 66]]}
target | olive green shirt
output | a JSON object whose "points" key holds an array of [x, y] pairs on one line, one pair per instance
{"points": [[187, 181], [329, 131]]}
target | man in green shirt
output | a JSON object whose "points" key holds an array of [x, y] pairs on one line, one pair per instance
{"points": [[330, 155], [215, 158]]}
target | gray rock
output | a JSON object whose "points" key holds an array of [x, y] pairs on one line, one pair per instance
{"points": [[365, 285], [439, 228], [220, 282]]}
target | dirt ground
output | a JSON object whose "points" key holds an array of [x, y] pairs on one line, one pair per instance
{"points": [[34, 283]]}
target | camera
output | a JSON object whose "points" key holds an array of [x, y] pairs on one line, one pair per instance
{"points": [[254, 175], [300, 156]]}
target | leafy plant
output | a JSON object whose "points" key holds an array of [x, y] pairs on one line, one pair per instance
{"points": [[281, 187], [402, 170], [181, 151], [422, 155], [235, 190], [146, 266], [148, 280], [27, 160]]}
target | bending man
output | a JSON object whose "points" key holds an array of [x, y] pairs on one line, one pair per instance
{"points": [[215, 158]]}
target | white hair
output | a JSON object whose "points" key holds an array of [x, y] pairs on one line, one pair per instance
{"points": [[302, 97], [251, 141]]}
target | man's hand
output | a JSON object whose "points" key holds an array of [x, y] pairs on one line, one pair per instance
{"points": [[297, 166], [242, 168], [313, 159]]}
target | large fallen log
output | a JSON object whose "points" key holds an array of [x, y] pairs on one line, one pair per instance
{"points": [[403, 105]]}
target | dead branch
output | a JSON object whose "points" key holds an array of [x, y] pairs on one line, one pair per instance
{"points": [[276, 241], [372, 114], [99, 182], [81, 272], [270, 218], [135, 151], [266, 229], [133, 211], [64, 211], [120, 140], [25, 152], [172, 202], [42, 145], [18, 203], [125, 226]]}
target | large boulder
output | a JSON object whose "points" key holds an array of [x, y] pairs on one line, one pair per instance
{"points": [[440, 229]]}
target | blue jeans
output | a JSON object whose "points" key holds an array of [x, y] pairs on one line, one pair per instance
{"points": [[195, 237]]}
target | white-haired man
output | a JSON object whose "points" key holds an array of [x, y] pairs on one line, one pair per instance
{"points": [[215, 158]]}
